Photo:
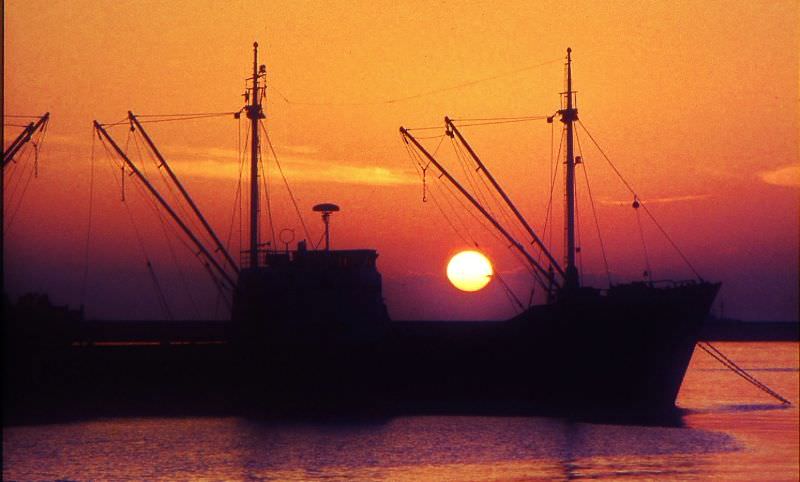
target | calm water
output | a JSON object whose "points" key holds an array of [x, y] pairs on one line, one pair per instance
{"points": [[732, 431]]}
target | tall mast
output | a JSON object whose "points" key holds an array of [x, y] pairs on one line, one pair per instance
{"points": [[568, 117], [254, 113]]}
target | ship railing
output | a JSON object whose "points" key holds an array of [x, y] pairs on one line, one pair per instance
{"points": [[662, 283], [262, 255]]}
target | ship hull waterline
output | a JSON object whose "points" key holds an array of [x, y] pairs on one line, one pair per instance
{"points": [[622, 353]]}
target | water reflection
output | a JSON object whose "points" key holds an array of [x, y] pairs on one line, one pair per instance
{"points": [[730, 432], [409, 448]]}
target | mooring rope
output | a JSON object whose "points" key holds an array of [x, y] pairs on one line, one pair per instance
{"points": [[720, 357]]}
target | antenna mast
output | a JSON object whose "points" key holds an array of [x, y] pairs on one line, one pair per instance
{"points": [[254, 113], [568, 116]]}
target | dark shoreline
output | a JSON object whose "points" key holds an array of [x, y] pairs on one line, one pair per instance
{"points": [[750, 331], [217, 331]]}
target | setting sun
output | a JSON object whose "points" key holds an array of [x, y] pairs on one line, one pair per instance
{"points": [[469, 271]]}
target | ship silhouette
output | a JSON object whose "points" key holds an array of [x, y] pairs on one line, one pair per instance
{"points": [[316, 334], [310, 331]]}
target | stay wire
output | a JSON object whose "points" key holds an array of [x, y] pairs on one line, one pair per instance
{"points": [[237, 199], [594, 211], [448, 195], [35, 142], [286, 183], [427, 128], [421, 94], [649, 272], [467, 170], [159, 295], [492, 210], [264, 184], [642, 204], [548, 219], [138, 188], [421, 171], [191, 114], [481, 222], [124, 121], [11, 178], [490, 119], [512, 297], [170, 230], [468, 239], [497, 206], [18, 205], [671, 242], [165, 224], [189, 220], [508, 121], [180, 117]]}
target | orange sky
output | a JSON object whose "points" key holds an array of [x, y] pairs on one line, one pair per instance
{"points": [[695, 102]]}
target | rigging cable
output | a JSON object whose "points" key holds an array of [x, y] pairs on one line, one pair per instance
{"points": [[180, 117], [192, 114], [286, 183], [648, 272], [481, 196], [162, 299], [421, 94], [548, 217], [264, 183], [499, 120], [515, 227], [237, 198], [157, 286], [470, 239], [42, 134], [467, 170], [166, 225], [594, 211], [25, 169], [512, 223], [643, 205], [416, 162], [425, 168]]}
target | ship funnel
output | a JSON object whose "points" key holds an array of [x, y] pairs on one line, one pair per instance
{"points": [[326, 209]]}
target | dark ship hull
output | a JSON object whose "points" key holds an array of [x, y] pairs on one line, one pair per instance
{"points": [[624, 351]]}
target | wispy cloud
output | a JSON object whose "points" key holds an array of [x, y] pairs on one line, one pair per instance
{"points": [[657, 200], [783, 176], [302, 170], [65, 140], [299, 162], [233, 154]]}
